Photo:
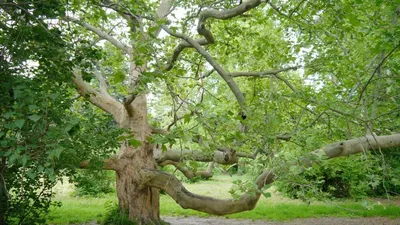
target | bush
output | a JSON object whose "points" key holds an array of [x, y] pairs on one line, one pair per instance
{"points": [[94, 182], [114, 217], [352, 177], [336, 178], [389, 179]]}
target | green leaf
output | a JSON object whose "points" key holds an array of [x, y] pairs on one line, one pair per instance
{"points": [[31, 174], [8, 114], [135, 143], [354, 20], [12, 158], [119, 76], [34, 117], [19, 123], [33, 107], [24, 160], [53, 96], [186, 118], [56, 152]]}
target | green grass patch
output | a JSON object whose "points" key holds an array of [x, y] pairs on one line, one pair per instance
{"points": [[80, 209], [267, 210]]}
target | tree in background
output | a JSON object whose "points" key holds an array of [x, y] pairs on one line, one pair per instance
{"points": [[315, 72], [39, 123]]}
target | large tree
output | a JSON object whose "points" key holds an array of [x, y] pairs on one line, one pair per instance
{"points": [[312, 69]]}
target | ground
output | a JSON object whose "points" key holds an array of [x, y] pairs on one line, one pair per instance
{"points": [[276, 210], [311, 221]]}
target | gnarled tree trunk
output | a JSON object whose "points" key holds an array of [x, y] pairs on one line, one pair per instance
{"points": [[140, 202]]}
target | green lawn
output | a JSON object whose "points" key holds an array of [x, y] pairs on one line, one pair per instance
{"points": [[79, 210]]}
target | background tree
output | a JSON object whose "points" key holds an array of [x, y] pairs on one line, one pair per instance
{"points": [[193, 54], [38, 123]]}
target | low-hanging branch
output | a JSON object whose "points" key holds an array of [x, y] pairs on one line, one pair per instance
{"points": [[221, 157], [186, 199]]}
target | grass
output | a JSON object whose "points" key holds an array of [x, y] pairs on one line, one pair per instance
{"points": [[80, 210]]}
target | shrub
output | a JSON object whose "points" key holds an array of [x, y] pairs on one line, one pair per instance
{"points": [[115, 217], [353, 177], [94, 182]]}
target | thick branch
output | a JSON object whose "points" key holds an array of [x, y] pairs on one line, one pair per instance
{"points": [[186, 199], [338, 149], [283, 137], [186, 171], [165, 8], [223, 15], [225, 158], [103, 83], [228, 79], [101, 34], [159, 131], [107, 164], [179, 49], [202, 30], [101, 100], [127, 103]]}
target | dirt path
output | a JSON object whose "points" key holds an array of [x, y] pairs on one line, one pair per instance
{"points": [[311, 221]]}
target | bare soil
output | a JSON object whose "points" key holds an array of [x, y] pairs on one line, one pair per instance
{"points": [[309, 221]]}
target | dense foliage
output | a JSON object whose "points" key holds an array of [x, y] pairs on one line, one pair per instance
{"points": [[94, 183], [43, 137]]}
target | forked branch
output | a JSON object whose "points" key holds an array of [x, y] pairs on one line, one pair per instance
{"points": [[202, 30], [228, 79], [179, 49], [223, 15], [101, 98]]}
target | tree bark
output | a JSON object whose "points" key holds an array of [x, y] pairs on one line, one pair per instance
{"points": [[140, 202]]}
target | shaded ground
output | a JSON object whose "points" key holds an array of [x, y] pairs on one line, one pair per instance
{"points": [[311, 221]]}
